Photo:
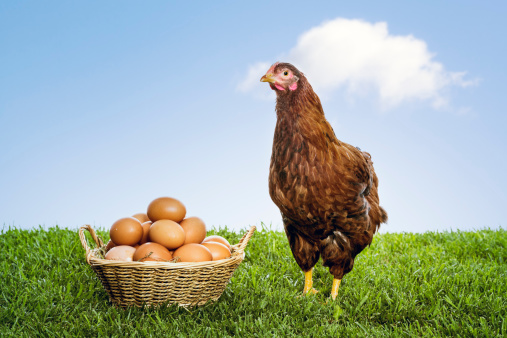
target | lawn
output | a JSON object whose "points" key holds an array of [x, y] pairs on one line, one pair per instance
{"points": [[431, 284]]}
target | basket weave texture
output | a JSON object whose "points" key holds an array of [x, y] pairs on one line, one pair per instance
{"points": [[154, 283]]}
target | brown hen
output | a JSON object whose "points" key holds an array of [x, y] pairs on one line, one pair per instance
{"points": [[325, 189]]}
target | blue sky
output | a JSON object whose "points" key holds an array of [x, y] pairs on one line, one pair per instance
{"points": [[105, 106]]}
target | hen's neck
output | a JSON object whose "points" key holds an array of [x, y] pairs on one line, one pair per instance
{"points": [[302, 103], [300, 116]]}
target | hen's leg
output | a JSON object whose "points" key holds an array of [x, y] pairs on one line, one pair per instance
{"points": [[334, 289], [336, 254], [309, 290], [305, 254]]}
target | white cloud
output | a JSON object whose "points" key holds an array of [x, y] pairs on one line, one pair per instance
{"points": [[362, 57]]}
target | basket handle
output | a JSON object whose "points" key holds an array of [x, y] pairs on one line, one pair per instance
{"points": [[244, 240], [82, 237]]}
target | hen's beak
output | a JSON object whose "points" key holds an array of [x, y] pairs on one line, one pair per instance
{"points": [[268, 78]]}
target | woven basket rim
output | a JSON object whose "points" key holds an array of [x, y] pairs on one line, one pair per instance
{"points": [[237, 252]]}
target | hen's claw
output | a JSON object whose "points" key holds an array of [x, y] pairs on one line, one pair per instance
{"points": [[312, 291]]}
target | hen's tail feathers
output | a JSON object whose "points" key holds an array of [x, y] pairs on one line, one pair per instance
{"points": [[383, 215]]}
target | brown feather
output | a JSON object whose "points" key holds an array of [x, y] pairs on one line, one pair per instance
{"points": [[325, 189]]}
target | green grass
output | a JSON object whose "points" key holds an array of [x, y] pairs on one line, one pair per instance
{"points": [[431, 284]]}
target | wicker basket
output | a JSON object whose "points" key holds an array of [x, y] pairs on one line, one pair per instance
{"points": [[154, 283]]}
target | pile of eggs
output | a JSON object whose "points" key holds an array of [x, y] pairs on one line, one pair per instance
{"points": [[164, 234]]}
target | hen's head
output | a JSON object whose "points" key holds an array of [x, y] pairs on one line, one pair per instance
{"points": [[282, 77]]}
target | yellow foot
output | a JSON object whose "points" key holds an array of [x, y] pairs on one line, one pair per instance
{"points": [[312, 291], [334, 289], [309, 290]]}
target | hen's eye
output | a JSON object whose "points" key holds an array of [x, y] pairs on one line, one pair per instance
{"points": [[286, 73]]}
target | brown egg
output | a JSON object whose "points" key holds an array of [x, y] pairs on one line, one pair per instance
{"points": [[218, 250], [110, 245], [166, 208], [146, 228], [218, 239], [193, 253], [142, 217], [167, 233], [152, 252], [126, 231], [121, 253], [195, 230]]}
